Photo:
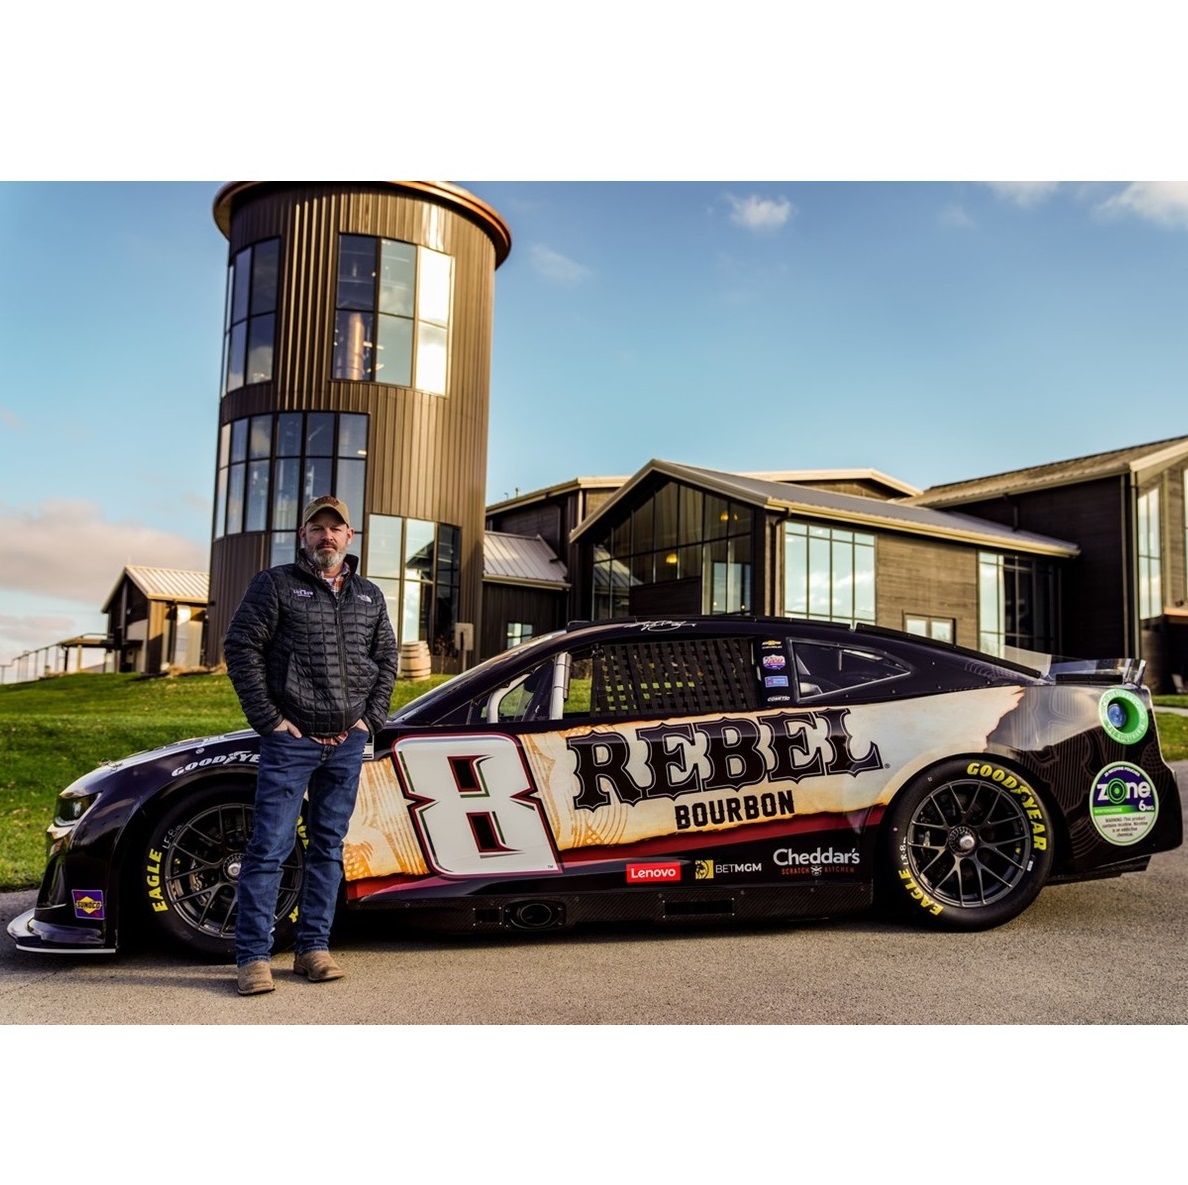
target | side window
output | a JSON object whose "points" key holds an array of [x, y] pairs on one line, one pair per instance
{"points": [[822, 669], [679, 676]]}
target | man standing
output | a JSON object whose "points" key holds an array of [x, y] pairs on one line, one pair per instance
{"points": [[312, 657]]}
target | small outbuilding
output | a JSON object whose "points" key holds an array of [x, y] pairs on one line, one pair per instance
{"points": [[155, 619]]}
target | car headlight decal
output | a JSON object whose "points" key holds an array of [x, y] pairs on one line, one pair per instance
{"points": [[71, 807], [1123, 715]]}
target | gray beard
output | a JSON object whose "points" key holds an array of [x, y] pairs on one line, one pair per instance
{"points": [[325, 560]]}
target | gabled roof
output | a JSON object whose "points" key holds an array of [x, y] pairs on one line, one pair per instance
{"points": [[850, 510], [164, 584], [893, 485], [517, 559], [1139, 459], [562, 487]]}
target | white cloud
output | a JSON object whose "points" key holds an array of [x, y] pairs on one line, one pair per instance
{"points": [[955, 215], [552, 265], [759, 213], [1164, 202], [67, 550], [1024, 193]]}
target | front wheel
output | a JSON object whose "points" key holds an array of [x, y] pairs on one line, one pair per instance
{"points": [[966, 846], [190, 873]]}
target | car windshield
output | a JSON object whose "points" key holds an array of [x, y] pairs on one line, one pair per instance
{"points": [[491, 670]]}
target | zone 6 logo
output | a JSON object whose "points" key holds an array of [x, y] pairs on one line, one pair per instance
{"points": [[472, 805]]}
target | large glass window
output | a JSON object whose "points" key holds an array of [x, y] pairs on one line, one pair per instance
{"points": [[250, 325], [695, 542], [1017, 604], [271, 465], [941, 628], [1150, 569], [392, 313], [417, 565], [829, 574]]}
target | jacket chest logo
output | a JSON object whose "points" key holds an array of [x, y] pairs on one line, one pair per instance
{"points": [[302, 592]]}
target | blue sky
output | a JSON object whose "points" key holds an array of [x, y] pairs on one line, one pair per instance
{"points": [[932, 331]]}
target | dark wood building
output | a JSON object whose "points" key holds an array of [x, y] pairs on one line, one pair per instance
{"points": [[356, 360], [1126, 593], [834, 545]]}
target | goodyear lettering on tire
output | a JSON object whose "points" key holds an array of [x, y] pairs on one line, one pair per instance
{"points": [[1020, 789]]}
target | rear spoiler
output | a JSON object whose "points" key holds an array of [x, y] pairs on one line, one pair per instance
{"points": [[1106, 671]]}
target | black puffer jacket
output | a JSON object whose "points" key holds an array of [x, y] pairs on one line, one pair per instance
{"points": [[295, 652]]}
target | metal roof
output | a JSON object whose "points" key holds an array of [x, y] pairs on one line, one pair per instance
{"points": [[807, 476], [1134, 459], [850, 510], [165, 584], [518, 559], [562, 487]]}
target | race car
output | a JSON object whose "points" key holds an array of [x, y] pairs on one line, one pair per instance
{"points": [[664, 771]]}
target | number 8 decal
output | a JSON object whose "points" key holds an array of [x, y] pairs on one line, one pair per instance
{"points": [[473, 805]]}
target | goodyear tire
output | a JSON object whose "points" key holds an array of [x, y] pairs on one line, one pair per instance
{"points": [[966, 846], [190, 872]]}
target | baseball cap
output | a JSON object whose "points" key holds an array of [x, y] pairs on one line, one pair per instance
{"points": [[326, 502]]}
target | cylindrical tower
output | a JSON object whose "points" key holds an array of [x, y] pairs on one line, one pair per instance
{"points": [[356, 361]]}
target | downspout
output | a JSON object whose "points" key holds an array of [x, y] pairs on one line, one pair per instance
{"points": [[1130, 623], [774, 577]]}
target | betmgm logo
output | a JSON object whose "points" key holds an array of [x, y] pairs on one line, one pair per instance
{"points": [[703, 870]]}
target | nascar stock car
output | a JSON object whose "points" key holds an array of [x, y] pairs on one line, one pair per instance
{"points": [[663, 771]]}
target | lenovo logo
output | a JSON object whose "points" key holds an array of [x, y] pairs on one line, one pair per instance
{"points": [[643, 874]]}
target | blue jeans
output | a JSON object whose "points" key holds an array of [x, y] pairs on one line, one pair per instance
{"points": [[289, 764]]}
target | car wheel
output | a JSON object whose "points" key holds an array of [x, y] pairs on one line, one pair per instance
{"points": [[191, 870], [966, 846]]}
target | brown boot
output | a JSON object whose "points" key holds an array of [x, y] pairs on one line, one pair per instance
{"points": [[317, 966], [255, 977]]}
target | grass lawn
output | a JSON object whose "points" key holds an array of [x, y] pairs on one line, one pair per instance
{"points": [[54, 730]]}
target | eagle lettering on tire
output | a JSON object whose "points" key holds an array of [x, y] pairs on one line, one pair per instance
{"points": [[191, 862], [967, 845]]}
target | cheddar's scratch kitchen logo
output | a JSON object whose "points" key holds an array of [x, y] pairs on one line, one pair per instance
{"points": [[716, 760], [816, 862]]}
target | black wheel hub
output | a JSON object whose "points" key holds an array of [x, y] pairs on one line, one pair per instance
{"points": [[203, 862], [968, 843]]}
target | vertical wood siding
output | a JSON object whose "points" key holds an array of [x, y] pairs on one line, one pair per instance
{"points": [[427, 454]]}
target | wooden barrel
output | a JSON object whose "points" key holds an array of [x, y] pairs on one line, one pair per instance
{"points": [[413, 661]]}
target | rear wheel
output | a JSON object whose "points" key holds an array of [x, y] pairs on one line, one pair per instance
{"points": [[190, 872], [966, 846]]}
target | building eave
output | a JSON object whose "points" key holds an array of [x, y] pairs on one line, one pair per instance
{"points": [[443, 193]]}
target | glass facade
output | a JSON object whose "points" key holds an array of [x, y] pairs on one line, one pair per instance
{"points": [[1017, 603], [392, 313], [829, 573], [1150, 566], [271, 465], [417, 565], [249, 330], [680, 534]]}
